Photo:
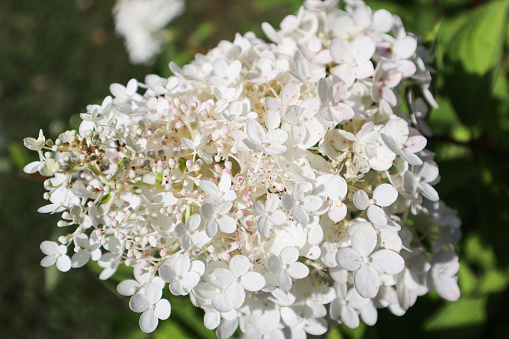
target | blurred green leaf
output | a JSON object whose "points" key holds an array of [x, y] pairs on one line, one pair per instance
{"points": [[463, 313], [18, 155], [472, 60], [51, 277]]}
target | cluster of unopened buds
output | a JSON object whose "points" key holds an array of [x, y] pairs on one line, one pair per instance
{"points": [[279, 185]]}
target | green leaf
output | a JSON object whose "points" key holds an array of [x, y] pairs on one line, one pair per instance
{"points": [[493, 281], [182, 164], [463, 313], [159, 178], [105, 199], [472, 61], [18, 155], [51, 277]]}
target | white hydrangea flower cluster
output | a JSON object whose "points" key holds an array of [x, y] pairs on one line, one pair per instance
{"points": [[280, 185], [141, 23]]}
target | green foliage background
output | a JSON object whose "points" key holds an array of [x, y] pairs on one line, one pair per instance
{"points": [[59, 56]]}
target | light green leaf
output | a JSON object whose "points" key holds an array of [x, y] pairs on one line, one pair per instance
{"points": [[472, 61], [463, 313]]}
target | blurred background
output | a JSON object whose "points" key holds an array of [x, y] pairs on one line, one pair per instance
{"points": [[59, 56]]}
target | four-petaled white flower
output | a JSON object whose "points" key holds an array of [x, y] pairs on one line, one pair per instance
{"points": [[396, 136], [286, 267], [268, 215], [366, 264], [383, 196], [89, 248], [182, 273], [347, 305], [55, 254], [218, 193], [216, 218], [235, 281], [300, 205], [271, 143], [330, 96], [148, 302]]}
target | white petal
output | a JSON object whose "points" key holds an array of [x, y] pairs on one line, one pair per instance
{"points": [[194, 221], [148, 321], [223, 207], [287, 202], [290, 317], [153, 292], [411, 158], [277, 217], [227, 224], [447, 288], [298, 270], [235, 295], [239, 265], [139, 303], [127, 287], [387, 262], [225, 183], [363, 47], [176, 288], [385, 195], [190, 280], [311, 203], [263, 226], [48, 260], [253, 145], [258, 208], [428, 191], [209, 188], [341, 50], [49, 247], [80, 258], [364, 239], [181, 264], [404, 48], [349, 316], [315, 235], [273, 104], [284, 281], [220, 304], [207, 211], [290, 93], [289, 255], [211, 320], [188, 143], [361, 200], [383, 20], [337, 211], [221, 277], [252, 281], [255, 132], [377, 216], [32, 167], [367, 281], [348, 259], [227, 328], [300, 215], [211, 228], [167, 273], [415, 143], [63, 263], [336, 187], [274, 264], [163, 309]]}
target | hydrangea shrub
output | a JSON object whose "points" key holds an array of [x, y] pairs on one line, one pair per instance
{"points": [[281, 185]]}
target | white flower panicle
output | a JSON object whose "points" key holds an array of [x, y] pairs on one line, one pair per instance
{"points": [[279, 185]]}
